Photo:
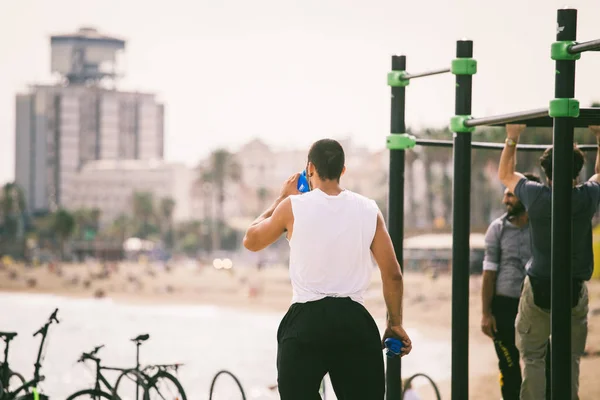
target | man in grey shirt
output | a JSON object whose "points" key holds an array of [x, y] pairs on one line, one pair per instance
{"points": [[507, 251], [533, 318]]}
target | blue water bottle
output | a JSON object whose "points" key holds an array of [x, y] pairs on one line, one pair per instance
{"points": [[303, 185], [393, 347]]}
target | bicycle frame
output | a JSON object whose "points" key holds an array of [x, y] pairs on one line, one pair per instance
{"points": [[5, 368], [24, 388], [44, 332], [101, 380], [137, 367]]}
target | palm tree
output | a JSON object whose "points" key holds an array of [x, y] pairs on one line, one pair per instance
{"points": [[95, 214], [205, 188], [119, 227], [12, 208], [222, 169], [166, 208], [63, 225], [188, 236], [87, 223], [143, 212]]}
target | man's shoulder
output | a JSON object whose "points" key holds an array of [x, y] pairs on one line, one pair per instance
{"points": [[496, 226], [590, 185], [525, 183], [367, 201], [358, 196], [499, 222]]}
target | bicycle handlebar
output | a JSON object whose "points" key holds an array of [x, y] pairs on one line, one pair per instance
{"points": [[53, 317], [96, 350], [91, 355], [44, 328]]}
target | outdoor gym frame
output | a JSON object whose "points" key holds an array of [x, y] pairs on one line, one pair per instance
{"points": [[564, 115]]}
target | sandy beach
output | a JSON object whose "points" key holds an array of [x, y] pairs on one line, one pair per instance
{"points": [[427, 304]]}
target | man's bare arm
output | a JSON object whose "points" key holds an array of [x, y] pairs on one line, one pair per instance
{"points": [[391, 275], [267, 228], [488, 288], [506, 170]]}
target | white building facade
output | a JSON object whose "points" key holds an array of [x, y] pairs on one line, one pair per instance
{"points": [[109, 185]]}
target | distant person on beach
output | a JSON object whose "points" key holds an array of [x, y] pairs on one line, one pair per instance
{"points": [[533, 318], [333, 234], [507, 251]]}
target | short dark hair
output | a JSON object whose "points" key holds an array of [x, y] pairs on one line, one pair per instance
{"points": [[532, 177], [327, 155], [578, 161]]}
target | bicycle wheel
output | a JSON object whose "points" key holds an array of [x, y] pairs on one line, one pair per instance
{"points": [[90, 394], [131, 385], [15, 381], [164, 386]]}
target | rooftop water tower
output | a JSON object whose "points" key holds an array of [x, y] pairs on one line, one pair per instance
{"points": [[86, 56]]}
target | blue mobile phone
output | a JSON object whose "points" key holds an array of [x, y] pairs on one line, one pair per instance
{"points": [[303, 185]]}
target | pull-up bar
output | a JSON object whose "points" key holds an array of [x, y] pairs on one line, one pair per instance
{"points": [[532, 118], [587, 117], [400, 78], [428, 73], [496, 146], [592, 45], [507, 118]]}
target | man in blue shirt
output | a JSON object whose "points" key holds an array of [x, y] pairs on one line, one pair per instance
{"points": [[533, 319]]}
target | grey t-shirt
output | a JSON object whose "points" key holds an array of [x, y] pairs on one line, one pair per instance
{"points": [[537, 199], [507, 251]]}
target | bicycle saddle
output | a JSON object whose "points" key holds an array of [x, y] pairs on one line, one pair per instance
{"points": [[141, 338], [8, 335]]}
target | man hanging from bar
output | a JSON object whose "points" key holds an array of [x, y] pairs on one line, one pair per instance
{"points": [[507, 251], [533, 319]]}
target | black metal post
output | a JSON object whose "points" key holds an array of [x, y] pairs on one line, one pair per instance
{"points": [[396, 211], [562, 185], [460, 234]]}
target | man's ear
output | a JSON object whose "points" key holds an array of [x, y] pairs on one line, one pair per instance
{"points": [[311, 169], [343, 171]]}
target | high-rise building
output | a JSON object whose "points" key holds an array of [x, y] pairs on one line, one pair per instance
{"points": [[61, 127]]}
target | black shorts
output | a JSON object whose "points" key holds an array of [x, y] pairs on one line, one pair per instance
{"points": [[336, 336]]}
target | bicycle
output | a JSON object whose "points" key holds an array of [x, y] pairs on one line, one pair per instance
{"points": [[161, 385], [25, 388], [150, 384]]}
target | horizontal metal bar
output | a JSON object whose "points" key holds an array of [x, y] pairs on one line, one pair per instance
{"points": [[506, 118], [497, 146], [592, 45], [587, 117], [428, 73]]}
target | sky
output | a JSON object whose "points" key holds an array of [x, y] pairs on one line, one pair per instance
{"points": [[292, 72]]}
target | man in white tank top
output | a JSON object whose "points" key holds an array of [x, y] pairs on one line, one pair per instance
{"points": [[334, 234]]}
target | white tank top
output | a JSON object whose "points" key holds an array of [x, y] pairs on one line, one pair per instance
{"points": [[330, 248]]}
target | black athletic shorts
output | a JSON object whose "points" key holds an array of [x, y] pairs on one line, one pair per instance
{"points": [[336, 336]]}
